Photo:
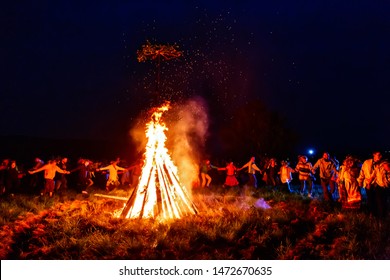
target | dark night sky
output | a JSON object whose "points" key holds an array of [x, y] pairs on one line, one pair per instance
{"points": [[69, 69]]}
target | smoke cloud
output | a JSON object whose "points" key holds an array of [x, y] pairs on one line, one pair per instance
{"points": [[186, 138]]}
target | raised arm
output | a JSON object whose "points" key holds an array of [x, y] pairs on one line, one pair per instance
{"points": [[103, 168], [121, 168], [38, 170]]}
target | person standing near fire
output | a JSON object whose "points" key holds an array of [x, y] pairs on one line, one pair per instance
{"points": [[305, 175], [272, 173], [252, 168], [285, 173], [113, 178], [13, 178], [231, 180], [84, 175], [349, 190], [364, 180], [136, 171], [327, 169], [50, 171], [60, 179], [204, 173], [37, 181], [379, 185]]}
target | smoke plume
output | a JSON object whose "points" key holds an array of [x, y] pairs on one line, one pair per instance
{"points": [[186, 138]]}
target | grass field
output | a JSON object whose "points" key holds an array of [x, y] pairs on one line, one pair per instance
{"points": [[239, 224]]}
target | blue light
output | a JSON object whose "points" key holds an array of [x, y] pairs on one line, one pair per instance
{"points": [[311, 152]]}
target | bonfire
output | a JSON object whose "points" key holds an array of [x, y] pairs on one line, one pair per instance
{"points": [[159, 193]]}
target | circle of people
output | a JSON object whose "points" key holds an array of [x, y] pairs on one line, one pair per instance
{"points": [[343, 183]]}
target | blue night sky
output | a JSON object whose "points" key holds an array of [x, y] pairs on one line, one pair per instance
{"points": [[69, 68]]}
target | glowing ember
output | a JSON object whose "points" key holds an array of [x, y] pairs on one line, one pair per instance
{"points": [[159, 192], [154, 52]]}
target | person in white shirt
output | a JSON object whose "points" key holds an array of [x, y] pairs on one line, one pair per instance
{"points": [[113, 178], [285, 174], [327, 169], [365, 180], [379, 184], [252, 168]]}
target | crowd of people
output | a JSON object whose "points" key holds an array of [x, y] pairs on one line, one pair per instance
{"points": [[348, 183], [56, 175]]}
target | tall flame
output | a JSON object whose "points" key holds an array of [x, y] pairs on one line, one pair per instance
{"points": [[159, 192]]}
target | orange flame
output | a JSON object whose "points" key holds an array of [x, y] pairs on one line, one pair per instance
{"points": [[159, 192]]}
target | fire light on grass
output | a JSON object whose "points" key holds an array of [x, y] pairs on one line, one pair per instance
{"points": [[159, 193]]}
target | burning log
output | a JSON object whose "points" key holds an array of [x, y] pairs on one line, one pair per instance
{"points": [[111, 196]]}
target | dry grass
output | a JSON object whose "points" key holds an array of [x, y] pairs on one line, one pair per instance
{"points": [[230, 225]]}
